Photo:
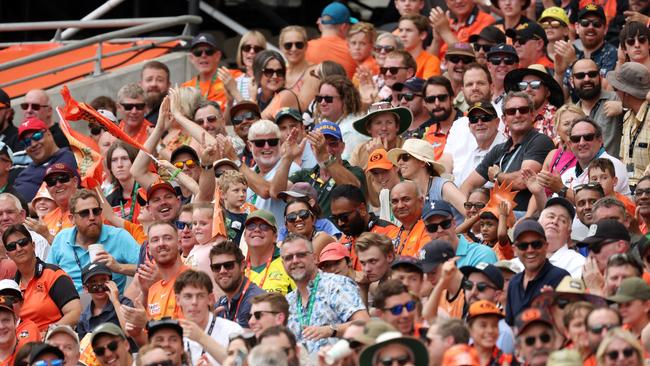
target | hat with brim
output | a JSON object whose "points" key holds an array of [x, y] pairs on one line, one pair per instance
{"points": [[404, 117], [373, 329], [419, 149], [571, 288], [419, 350], [225, 161], [632, 78], [556, 96], [263, 215], [106, 328], [244, 105]]}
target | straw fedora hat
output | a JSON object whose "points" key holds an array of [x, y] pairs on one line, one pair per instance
{"points": [[404, 117], [419, 149]]}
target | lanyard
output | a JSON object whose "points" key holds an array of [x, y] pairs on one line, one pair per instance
{"points": [[129, 217], [557, 161], [398, 240], [633, 139], [305, 318], [241, 297], [76, 258], [266, 269], [198, 86], [512, 158], [209, 333]]}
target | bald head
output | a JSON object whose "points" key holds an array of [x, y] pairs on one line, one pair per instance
{"points": [[406, 201], [582, 63], [38, 106]]}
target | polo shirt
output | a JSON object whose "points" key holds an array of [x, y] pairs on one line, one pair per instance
{"points": [[409, 243], [161, 299], [27, 331], [57, 220], [567, 259], [71, 257], [239, 308], [577, 175], [534, 146], [331, 48], [520, 298], [612, 126], [88, 321], [471, 254], [29, 180], [428, 65]]}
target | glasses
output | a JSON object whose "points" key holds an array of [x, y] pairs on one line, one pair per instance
{"points": [[56, 362], [398, 309], [161, 363], [626, 352], [400, 360], [432, 98], [112, 346], [433, 228], [294, 216], [344, 217], [181, 225], [299, 255], [484, 47], [249, 47], [96, 129], [535, 244], [327, 98], [475, 118], [404, 157], [587, 22], [589, 137], [130, 106], [535, 84], [476, 205], [289, 45], [258, 314], [408, 96], [204, 51], [262, 226], [480, 286], [53, 180], [598, 329], [512, 111], [384, 49], [561, 303], [632, 40], [496, 61], [270, 72], [36, 136], [216, 267], [33, 106], [86, 212], [544, 338], [393, 70], [262, 143], [457, 59], [10, 247], [208, 119], [591, 185], [552, 24], [639, 192], [581, 75], [242, 117], [189, 163]]}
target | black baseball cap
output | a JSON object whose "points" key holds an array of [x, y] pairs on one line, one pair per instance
{"points": [[44, 348], [488, 270], [185, 149], [592, 9], [407, 261], [527, 31], [561, 201], [503, 49], [528, 225], [491, 34], [94, 269], [415, 84], [5, 101], [603, 232], [204, 38], [163, 323], [484, 106], [435, 253]]}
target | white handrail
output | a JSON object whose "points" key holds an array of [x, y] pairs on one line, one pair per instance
{"points": [[97, 13]]}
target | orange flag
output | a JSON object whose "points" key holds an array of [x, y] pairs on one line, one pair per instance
{"points": [[218, 221]]}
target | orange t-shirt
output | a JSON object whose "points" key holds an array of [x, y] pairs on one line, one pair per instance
{"points": [[372, 65], [27, 331], [142, 134], [410, 243], [57, 220], [437, 139], [546, 62], [213, 88], [161, 300], [474, 24], [503, 251], [136, 231], [428, 65], [331, 48], [630, 207]]}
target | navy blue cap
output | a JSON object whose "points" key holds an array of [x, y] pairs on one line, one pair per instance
{"points": [[488, 270], [436, 207], [205, 38], [528, 225], [403, 260], [435, 253], [561, 201], [413, 84]]}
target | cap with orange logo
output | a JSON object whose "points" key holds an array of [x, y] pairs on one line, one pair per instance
{"points": [[484, 308], [530, 316], [378, 159], [461, 355]]}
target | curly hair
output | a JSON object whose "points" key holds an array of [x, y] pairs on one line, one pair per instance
{"points": [[349, 94]]}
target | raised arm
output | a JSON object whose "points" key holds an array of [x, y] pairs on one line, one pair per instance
{"points": [[336, 169], [190, 127], [291, 149], [140, 167]]}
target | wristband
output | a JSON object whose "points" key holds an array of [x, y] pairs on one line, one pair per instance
{"points": [[174, 174]]}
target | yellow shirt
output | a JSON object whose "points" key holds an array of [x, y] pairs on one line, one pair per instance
{"points": [[275, 279]]}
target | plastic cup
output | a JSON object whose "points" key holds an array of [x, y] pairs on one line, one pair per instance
{"points": [[339, 351], [93, 250]]}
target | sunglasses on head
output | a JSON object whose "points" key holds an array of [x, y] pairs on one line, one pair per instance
{"points": [[208, 119], [189, 163], [512, 111], [458, 58], [51, 181], [36, 136], [475, 118], [535, 84], [242, 117], [630, 41], [181, 225], [327, 98], [270, 72], [432, 98], [10, 247], [203, 51], [581, 75], [598, 329], [484, 47], [544, 338], [508, 60], [111, 346], [130, 106], [289, 45], [433, 228], [393, 70], [588, 137], [216, 267], [480, 286], [302, 214], [535, 244], [262, 143], [249, 47], [408, 96], [384, 49], [86, 212], [398, 309], [161, 363], [400, 360], [33, 106], [596, 23], [626, 352], [476, 205], [252, 226], [551, 24]]}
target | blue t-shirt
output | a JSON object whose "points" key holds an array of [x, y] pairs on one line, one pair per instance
{"points": [[29, 180]]}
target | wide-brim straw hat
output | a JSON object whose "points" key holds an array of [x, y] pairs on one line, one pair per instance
{"points": [[419, 149], [404, 117]]}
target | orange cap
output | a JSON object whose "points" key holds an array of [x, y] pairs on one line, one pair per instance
{"points": [[484, 307], [378, 159], [333, 252], [460, 355]]}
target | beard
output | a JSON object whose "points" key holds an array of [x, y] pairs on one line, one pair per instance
{"points": [[357, 226], [91, 233], [153, 98], [231, 286], [440, 118], [589, 94]]}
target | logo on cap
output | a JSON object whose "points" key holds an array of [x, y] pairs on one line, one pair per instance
{"points": [[202, 38], [522, 26], [375, 157], [482, 265], [531, 314], [422, 254], [591, 7]]}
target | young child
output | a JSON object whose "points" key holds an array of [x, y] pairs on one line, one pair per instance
{"points": [[233, 186], [602, 171], [495, 231]]}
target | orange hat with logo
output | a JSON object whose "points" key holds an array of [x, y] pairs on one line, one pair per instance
{"points": [[378, 159], [461, 355], [484, 307]]}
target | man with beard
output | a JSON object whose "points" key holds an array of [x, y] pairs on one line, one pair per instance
{"points": [[242, 116], [208, 115], [406, 202], [111, 346], [61, 183], [12, 213], [131, 106], [410, 96], [70, 246], [438, 95], [228, 264], [501, 59], [351, 215], [586, 82], [332, 301], [154, 80], [591, 28], [396, 306], [536, 336], [36, 104]]}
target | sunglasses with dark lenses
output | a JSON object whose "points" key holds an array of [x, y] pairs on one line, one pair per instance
{"points": [[204, 51], [327, 98], [189, 163], [289, 45], [587, 22], [639, 192], [632, 40], [598, 329], [484, 47], [432, 98], [302, 214], [262, 226], [553, 24], [513, 111], [181, 225], [130, 106], [400, 360], [262, 143], [216, 267], [433, 228], [398, 309], [626, 352], [247, 48], [258, 314], [242, 117], [386, 49], [535, 84], [545, 338], [33, 106], [344, 217], [581, 75], [112, 346], [476, 205], [10, 247], [96, 129], [161, 363], [561, 303], [36, 136], [458, 58], [57, 362], [475, 118], [589, 137], [86, 212], [535, 244], [51, 181], [393, 70], [408, 96], [480, 286], [208, 119], [270, 72], [496, 61], [404, 157]]}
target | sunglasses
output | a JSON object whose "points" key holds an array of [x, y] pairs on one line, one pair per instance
{"points": [[587, 22], [344, 217], [112, 346], [216, 267], [590, 185], [480, 286], [512, 111], [535, 84], [626, 352], [86, 212], [398, 309], [36, 136], [161, 363], [248, 48], [262, 226], [385, 49], [208, 119], [96, 129], [130, 106], [639, 192], [289, 45], [270, 72], [432, 98], [181, 225], [33, 106], [475, 118], [408, 96], [496, 61], [457, 59], [484, 47], [535, 244], [56, 362], [581, 75], [258, 314], [189, 163], [242, 117], [53, 180], [404, 157], [10, 247], [299, 255], [302, 214], [544, 338], [400, 360], [393, 70], [262, 143], [204, 51], [476, 205], [598, 329], [552, 24], [561, 303], [632, 40], [327, 98], [433, 228], [589, 137]]}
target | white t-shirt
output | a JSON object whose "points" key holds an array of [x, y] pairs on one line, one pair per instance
{"points": [[42, 247], [623, 187], [221, 331], [275, 206]]}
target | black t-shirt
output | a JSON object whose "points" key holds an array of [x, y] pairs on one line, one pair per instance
{"points": [[235, 225]]}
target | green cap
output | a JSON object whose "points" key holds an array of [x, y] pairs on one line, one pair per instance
{"points": [[565, 357], [263, 215], [106, 328], [633, 288], [372, 330]]}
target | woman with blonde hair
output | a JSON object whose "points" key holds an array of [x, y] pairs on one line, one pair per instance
{"points": [[293, 44], [619, 348], [251, 43]]}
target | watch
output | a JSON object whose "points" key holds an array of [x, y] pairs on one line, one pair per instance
{"points": [[329, 161], [334, 329], [563, 191]]}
